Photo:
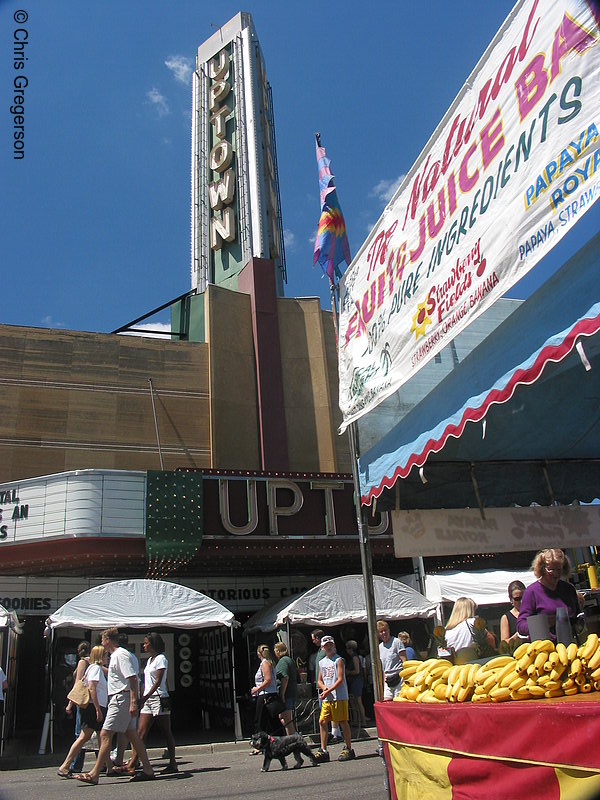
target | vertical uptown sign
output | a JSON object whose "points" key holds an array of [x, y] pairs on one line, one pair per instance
{"points": [[220, 191], [236, 209]]}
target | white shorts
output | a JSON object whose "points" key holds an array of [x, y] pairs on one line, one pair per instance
{"points": [[118, 718], [152, 706]]}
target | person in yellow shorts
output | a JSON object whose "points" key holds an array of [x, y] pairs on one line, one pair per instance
{"points": [[334, 697]]}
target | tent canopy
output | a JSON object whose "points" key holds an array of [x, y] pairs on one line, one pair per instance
{"points": [[141, 604], [342, 600], [485, 587], [517, 422], [8, 619]]}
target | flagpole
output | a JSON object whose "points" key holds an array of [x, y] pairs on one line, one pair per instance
{"points": [[365, 549], [363, 534]]}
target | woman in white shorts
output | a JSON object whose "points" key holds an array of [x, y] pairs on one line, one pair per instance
{"points": [[155, 702]]}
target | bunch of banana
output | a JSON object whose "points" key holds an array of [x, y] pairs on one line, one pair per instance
{"points": [[535, 670]]}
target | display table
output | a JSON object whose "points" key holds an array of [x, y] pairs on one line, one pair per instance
{"points": [[547, 750]]}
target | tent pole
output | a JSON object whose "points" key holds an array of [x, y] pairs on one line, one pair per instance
{"points": [[237, 722], [48, 698]]}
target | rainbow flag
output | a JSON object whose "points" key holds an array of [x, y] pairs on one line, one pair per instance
{"points": [[331, 245]]}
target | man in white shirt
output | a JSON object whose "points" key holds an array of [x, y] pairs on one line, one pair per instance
{"points": [[392, 654], [122, 711]]}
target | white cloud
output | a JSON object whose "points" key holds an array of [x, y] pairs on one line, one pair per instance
{"points": [[159, 101], [386, 189], [48, 322], [181, 67], [289, 239]]}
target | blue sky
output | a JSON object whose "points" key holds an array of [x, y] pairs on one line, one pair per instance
{"points": [[95, 223]]}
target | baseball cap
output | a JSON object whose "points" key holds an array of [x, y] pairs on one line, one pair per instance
{"points": [[327, 640]]}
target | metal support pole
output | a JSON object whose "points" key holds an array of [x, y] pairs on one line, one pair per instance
{"points": [[156, 424], [367, 569]]}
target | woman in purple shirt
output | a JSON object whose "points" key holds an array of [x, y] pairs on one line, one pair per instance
{"points": [[552, 590]]}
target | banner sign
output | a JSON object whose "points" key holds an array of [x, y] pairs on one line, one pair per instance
{"points": [[510, 169], [447, 532]]}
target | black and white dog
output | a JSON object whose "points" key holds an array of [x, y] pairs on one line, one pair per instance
{"points": [[281, 746]]}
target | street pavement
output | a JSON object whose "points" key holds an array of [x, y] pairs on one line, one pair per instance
{"points": [[218, 772]]}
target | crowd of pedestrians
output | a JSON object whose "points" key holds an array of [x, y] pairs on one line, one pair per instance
{"points": [[116, 706]]}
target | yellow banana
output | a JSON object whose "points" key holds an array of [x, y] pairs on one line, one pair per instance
{"points": [[569, 683], [521, 650], [587, 687], [454, 671], [481, 698], [596, 685], [500, 694], [407, 673], [465, 694], [572, 651], [573, 690], [494, 663], [520, 694], [506, 671], [540, 660], [557, 672], [425, 696], [509, 678], [594, 662], [536, 691], [517, 683], [576, 667], [551, 685], [552, 661], [490, 681], [595, 674], [543, 646], [411, 662], [524, 662], [554, 693], [587, 650], [561, 652]]}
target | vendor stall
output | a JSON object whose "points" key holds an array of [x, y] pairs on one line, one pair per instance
{"points": [[492, 751], [148, 604]]}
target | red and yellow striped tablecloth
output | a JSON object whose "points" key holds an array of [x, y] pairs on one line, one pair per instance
{"points": [[546, 750]]}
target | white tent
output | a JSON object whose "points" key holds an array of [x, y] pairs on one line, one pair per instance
{"points": [[8, 619], [485, 587], [342, 600], [141, 604]]}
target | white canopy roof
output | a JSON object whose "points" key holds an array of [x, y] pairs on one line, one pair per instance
{"points": [[484, 587], [341, 600], [8, 619], [141, 604]]}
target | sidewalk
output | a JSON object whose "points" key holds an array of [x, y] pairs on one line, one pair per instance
{"points": [[14, 760]]}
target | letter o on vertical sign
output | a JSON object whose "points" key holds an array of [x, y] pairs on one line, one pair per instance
{"points": [[220, 156]]}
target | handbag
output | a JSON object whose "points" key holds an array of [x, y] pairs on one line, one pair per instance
{"points": [[393, 680], [165, 703], [273, 705], [79, 694]]}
